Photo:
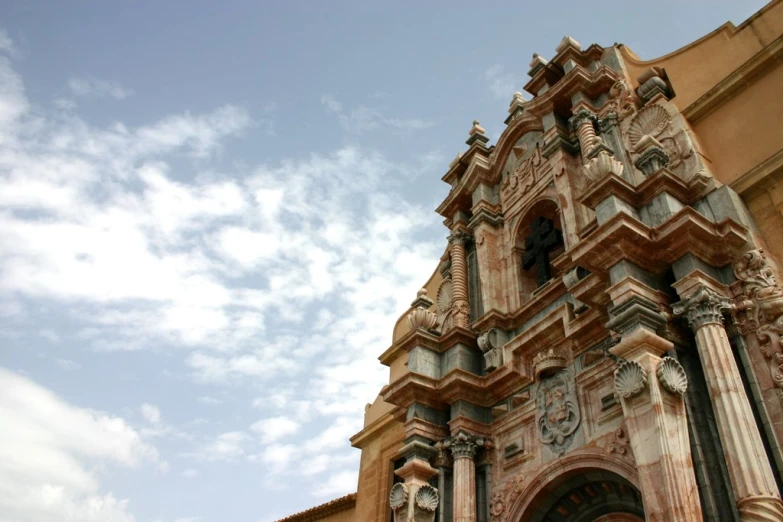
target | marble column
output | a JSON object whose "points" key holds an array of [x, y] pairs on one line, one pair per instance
{"points": [[749, 470], [463, 450], [459, 279], [654, 412]]}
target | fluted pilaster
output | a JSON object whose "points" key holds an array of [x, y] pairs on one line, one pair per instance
{"points": [[459, 279], [751, 475]]}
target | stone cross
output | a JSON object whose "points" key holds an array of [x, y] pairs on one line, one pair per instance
{"points": [[542, 240]]}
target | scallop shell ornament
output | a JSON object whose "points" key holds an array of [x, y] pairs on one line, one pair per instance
{"points": [[421, 318], [398, 495], [444, 296], [672, 375], [427, 498], [629, 379], [650, 121]]}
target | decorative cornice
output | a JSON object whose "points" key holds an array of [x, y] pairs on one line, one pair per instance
{"points": [[703, 307]]}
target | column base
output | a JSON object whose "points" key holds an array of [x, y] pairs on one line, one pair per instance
{"points": [[760, 509]]}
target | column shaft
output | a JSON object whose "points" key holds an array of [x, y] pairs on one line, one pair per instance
{"points": [[749, 470], [459, 280], [464, 490]]}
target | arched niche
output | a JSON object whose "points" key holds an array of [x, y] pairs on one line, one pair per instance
{"points": [[581, 488], [545, 207]]}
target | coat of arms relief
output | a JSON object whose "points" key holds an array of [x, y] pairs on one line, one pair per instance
{"points": [[557, 410]]}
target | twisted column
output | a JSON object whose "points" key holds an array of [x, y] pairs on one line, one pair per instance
{"points": [[463, 450], [459, 279], [582, 122], [751, 474]]}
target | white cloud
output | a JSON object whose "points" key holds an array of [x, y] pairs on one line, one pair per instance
{"points": [[502, 83], [67, 364], [225, 447], [86, 86], [340, 483], [275, 428], [190, 473], [151, 413], [263, 272], [362, 119], [50, 453]]}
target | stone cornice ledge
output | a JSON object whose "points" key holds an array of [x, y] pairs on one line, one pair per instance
{"points": [[372, 430], [332, 507]]}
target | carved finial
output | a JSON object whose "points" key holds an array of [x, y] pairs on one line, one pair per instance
{"points": [[566, 42], [516, 102], [477, 134], [537, 61], [477, 128]]}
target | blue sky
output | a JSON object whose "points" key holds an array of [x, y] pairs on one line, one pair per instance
{"points": [[211, 215]]}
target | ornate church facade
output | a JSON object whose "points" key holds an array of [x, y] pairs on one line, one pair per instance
{"points": [[601, 340]]}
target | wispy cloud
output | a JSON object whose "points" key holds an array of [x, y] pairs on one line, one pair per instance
{"points": [[363, 119], [501, 82], [97, 88]]}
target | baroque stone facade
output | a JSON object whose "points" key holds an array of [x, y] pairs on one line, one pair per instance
{"points": [[604, 340]]}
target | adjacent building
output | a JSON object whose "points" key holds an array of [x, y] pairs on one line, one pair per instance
{"points": [[601, 339]]}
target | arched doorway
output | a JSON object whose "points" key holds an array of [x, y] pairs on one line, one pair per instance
{"points": [[596, 496], [581, 490]]}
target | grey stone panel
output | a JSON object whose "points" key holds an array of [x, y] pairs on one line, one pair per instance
{"points": [[688, 263], [461, 356], [424, 362], [420, 411], [660, 209], [625, 269], [612, 206], [471, 411]]}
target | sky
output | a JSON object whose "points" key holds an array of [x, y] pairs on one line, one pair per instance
{"points": [[211, 215]]}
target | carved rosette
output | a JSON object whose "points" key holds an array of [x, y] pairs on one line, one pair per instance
{"points": [[704, 306], [629, 379], [672, 376], [557, 411]]}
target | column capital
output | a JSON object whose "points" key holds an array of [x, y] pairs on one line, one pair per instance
{"points": [[464, 446], [459, 237], [702, 307], [581, 116]]}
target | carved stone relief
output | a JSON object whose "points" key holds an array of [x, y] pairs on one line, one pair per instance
{"points": [[445, 306], [654, 127], [622, 100], [491, 343], [619, 443], [672, 376], [557, 411], [629, 379], [762, 308]]}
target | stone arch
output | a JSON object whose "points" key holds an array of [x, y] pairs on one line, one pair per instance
{"points": [[559, 487], [546, 205]]}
